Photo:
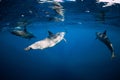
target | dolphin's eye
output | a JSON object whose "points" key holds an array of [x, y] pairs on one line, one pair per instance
{"points": [[55, 36]]}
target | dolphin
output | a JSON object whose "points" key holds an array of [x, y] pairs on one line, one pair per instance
{"points": [[49, 1], [18, 31], [104, 38], [58, 8], [50, 41], [44, 1], [108, 2]]}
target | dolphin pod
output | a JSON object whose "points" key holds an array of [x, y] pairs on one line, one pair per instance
{"points": [[54, 39], [50, 41], [102, 36]]}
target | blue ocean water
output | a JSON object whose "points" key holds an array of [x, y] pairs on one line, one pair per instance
{"points": [[81, 57]]}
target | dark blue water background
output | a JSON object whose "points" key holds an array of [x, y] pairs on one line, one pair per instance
{"points": [[82, 57]]}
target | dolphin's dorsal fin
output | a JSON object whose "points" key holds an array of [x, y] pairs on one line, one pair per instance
{"points": [[105, 32], [50, 33]]}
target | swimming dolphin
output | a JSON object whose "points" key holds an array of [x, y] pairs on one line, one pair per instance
{"points": [[104, 38], [18, 31], [50, 41], [44, 1], [108, 2], [49, 1], [58, 8]]}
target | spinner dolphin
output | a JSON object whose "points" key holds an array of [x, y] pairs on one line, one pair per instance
{"points": [[104, 38], [18, 31], [109, 2], [50, 41]]}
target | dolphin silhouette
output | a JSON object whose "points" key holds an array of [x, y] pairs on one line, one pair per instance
{"points": [[18, 31], [50, 41], [104, 38]]}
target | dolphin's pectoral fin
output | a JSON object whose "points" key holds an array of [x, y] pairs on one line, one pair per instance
{"points": [[50, 33], [64, 39], [105, 32]]}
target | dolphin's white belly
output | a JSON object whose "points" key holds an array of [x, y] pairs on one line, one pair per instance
{"points": [[40, 44], [45, 43]]}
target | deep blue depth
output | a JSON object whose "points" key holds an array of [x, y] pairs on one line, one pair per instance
{"points": [[82, 57]]}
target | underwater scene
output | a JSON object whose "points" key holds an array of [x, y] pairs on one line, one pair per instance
{"points": [[59, 39]]}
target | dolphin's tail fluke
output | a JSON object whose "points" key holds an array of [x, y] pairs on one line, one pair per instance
{"points": [[28, 48], [113, 54]]}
